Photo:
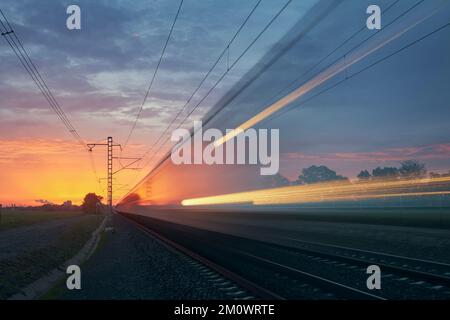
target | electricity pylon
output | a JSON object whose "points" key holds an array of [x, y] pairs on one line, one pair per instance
{"points": [[110, 147]]}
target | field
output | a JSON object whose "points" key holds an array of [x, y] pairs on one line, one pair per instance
{"points": [[18, 218], [34, 243]]}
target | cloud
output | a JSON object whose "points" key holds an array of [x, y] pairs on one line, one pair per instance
{"points": [[34, 150], [106, 67], [100, 75], [44, 201], [430, 152]]}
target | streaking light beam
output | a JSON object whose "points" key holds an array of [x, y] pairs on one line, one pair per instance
{"points": [[331, 191], [319, 79]]}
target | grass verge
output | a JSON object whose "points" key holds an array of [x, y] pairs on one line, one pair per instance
{"points": [[18, 218], [59, 288], [19, 271]]}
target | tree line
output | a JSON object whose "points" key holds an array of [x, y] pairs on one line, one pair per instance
{"points": [[408, 169]]}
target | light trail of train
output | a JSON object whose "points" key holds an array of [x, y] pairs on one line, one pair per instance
{"points": [[321, 78], [331, 191]]}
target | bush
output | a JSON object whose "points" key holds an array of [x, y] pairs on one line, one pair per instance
{"points": [[91, 202]]}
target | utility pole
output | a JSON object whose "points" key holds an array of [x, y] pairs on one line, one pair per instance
{"points": [[110, 173], [110, 147]]}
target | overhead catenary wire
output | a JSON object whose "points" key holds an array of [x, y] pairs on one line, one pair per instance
{"points": [[230, 67], [19, 50], [342, 44], [403, 48], [133, 127], [213, 66], [370, 66], [327, 73], [21, 53], [317, 64], [343, 56]]}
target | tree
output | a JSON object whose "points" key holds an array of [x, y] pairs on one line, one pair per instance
{"points": [[316, 174], [386, 172], [90, 203], [412, 169], [364, 175], [274, 181]]}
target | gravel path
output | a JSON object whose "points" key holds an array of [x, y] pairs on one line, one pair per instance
{"points": [[132, 265]]}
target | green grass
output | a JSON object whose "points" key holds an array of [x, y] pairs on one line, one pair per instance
{"points": [[18, 272], [18, 218], [59, 288]]}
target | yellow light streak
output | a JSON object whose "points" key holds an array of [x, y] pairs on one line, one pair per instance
{"points": [[331, 191]]}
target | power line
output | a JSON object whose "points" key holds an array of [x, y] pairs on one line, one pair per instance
{"points": [[363, 28], [353, 75], [154, 75], [224, 51], [16, 45], [343, 56], [21, 53], [358, 45], [335, 50], [237, 60], [222, 76], [94, 169], [362, 70]]}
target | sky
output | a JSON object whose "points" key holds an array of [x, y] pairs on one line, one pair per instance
{"points": [[396, 111]]}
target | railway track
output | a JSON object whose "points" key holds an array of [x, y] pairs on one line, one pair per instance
{"points": [[310, 270], [204, 264], [432, 271]]}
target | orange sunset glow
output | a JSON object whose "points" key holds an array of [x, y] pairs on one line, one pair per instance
{"points": [[242, 156], [43, 169], [351, 107]]}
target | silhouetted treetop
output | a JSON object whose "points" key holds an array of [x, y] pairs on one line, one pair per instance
{"points": [[90, 203], [412, 169], [315, 174], [364, 175], [386, 172]]}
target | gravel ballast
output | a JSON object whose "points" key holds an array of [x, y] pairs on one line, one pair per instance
{"points": [[130, 264]]}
